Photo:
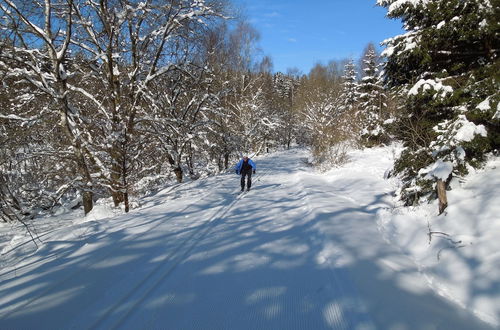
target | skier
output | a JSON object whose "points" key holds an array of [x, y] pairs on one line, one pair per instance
{"points": [[246, 167]]}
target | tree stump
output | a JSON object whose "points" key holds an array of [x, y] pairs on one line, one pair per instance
{"points": [[441, 191]]}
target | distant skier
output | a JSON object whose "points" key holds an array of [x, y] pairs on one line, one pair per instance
{"points": [[246, 167]]}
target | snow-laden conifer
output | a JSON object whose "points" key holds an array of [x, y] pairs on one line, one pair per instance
{"points": [[445, 66], [350, 87], [373, 100]]}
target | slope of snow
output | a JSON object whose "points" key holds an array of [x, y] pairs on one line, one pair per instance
{"points": [[459, 251], [301, 250]]}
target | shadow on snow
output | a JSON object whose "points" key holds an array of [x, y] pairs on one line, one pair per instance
{"points": [[272, 259]]}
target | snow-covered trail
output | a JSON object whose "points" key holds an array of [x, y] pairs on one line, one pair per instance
{"points": [[299, 251]]}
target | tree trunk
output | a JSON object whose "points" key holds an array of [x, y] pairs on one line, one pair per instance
{"points": [[190, 162], [87, 194], [226, 161], [73, 139], [441, 191], [125, 184], [178, 174], [116, 170], [177, 169], [88, 203], [127, 205]]}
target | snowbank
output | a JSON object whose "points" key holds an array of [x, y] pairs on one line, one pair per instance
{"points": [[459, 251]]}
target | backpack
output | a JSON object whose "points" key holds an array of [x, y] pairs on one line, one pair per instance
{"points": [[246, 166]]}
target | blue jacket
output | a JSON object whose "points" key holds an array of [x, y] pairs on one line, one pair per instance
{"points": [[240, 164]]}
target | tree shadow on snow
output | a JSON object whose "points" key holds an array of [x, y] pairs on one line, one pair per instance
{"points": [[272, 259]]}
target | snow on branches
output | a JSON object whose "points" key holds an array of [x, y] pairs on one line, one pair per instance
{"points": [[88, 67], [444, 66]]}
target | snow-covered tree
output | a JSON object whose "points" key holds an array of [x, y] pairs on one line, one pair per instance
{"points": [[373, 99], [284, 85], [92, 64], [446, 66], [38, 53], [318, 121], [242, 120], [135, 43], [323, 121], [350, 87], [285, 88], [253, 120], [179, 116]]}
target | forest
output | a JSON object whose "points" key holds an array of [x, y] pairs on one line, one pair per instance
{"points": [[113, 99]]}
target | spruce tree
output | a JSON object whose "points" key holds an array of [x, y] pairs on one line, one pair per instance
{"points": [[372, 100], [446, 68], [350, 94]]}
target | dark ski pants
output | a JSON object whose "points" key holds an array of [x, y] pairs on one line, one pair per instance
{"points": [[248, 174]]}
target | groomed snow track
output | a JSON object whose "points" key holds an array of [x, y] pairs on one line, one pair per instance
{"points": [[142, 290], [295, 252]]}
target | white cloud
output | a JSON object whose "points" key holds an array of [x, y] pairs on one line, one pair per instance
{"points": [[273, 14]]}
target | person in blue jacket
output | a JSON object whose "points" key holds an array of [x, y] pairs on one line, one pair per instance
{"points": [[246, 167]]}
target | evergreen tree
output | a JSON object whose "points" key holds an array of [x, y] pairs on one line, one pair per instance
{"points": [[372, 99], [350, 94], [348, 116], [446, 66]]}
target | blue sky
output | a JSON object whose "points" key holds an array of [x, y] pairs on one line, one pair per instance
{"points": [[300, 33]]}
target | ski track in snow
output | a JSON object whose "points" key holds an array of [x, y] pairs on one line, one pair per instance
{"points": [[296, 252], [160, 273], [96, 258]]}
